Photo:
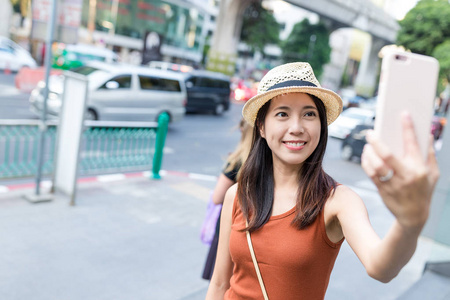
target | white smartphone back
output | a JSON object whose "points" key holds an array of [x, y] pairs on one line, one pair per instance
{"points": [[407, 83]]}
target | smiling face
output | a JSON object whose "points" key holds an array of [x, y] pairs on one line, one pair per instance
{"points": [[291, 129]]}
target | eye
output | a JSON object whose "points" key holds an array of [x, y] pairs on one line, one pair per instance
{"points": [[310, 114], [281, 114]]}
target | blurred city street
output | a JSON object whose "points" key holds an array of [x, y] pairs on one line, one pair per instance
{"points": [[131, 237], [161, 84], [138, 238]]}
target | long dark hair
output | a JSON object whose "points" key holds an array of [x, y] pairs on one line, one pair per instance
{"points": [[256, 183]]}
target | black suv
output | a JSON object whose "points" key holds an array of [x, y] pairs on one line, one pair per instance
{"points": [[207, 91]]}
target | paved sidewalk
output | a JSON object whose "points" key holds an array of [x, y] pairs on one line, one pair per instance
{"points": [[137, 238]]}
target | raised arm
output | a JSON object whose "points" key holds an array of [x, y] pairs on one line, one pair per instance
{"points": [[407, 194], [223, 268]]}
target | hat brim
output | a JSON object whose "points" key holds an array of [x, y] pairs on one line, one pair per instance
{"points": [[331, 100]]}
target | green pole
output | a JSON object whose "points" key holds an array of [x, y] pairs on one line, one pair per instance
{"points": [[163, 124]]}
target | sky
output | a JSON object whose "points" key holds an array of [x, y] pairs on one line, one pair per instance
{"points": [[397, 8]]}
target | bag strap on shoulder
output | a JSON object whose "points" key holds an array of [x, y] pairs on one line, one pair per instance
{"points": [[255, 263]]}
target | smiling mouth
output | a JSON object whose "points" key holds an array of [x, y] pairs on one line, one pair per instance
{"points": [[295, 144]]}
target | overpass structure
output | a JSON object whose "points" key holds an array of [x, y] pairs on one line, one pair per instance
{"points": [[359, 14]]}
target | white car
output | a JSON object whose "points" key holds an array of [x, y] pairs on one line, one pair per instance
{"points": [[118, 92], [348, 120], [346, 94], [13, 57]]}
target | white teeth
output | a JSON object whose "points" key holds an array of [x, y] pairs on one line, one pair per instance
{"points": [[295, 144]]}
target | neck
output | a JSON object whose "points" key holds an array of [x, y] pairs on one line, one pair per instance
{"points": [[286, 176]]}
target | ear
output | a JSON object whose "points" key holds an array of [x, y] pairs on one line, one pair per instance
{"points": [[261, 131]]}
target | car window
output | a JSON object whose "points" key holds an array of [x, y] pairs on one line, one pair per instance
{"points": [[159, 84], [197, 81], [124, 82], [208, 82], [224, 84], [5, 48]]}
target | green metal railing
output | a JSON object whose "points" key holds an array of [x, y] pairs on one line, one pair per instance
{"points": [[19, 148], [106, 147]]}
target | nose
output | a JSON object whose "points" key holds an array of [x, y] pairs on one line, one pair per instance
{"points": [[296, 127]]}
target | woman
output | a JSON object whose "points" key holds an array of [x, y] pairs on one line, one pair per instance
{"points": [[224, 182], [297, 215]]}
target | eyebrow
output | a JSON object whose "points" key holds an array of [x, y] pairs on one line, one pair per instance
{"points": [[288, 108]]}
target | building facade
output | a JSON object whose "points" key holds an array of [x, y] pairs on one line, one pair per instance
{"points": [[122, 24]]}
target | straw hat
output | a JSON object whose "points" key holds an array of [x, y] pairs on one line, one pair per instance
{"points": [[295, 77]]}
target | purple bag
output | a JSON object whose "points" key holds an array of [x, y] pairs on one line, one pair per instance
{"points": [[209, 224]]}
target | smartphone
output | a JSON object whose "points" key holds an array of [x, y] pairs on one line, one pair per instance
{"points": [[407, 83]]}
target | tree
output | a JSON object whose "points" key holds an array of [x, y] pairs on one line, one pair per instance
{"points": [[442, 54], [308, 42], [259, 27], [425, 26], [426, 30]]}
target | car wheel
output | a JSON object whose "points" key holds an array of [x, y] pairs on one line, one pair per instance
{"points": [[91, 115], [347, 152], [220, 108]]}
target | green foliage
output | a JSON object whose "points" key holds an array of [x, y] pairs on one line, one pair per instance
{"points": [[301, 46], [259, 27], [442, 54], [425, 26]]}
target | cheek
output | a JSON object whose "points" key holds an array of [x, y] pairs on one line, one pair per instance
{"points": [[315, 132]]}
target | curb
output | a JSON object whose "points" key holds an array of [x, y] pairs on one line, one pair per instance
{"points": [[109, 178]]}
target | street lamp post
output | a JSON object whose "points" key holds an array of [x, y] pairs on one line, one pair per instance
{"points": [[37, 197]]}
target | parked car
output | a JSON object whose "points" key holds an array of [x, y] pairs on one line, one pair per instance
{"points": [[370, 103], [13, 57], [353, 144], [346, 94], [120, 92], [348, 120], [207, 91], [164, 65], [68, 57], [356, 101]]}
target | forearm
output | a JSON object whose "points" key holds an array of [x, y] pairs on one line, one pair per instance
{"points": [[216, 291], [393, 252]]}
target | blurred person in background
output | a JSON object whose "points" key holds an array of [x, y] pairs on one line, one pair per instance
{"points": [[226, 179], [293, 216]]}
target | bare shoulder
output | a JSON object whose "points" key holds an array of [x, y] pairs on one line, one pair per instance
{"points": [[341, 209], [230, 195], [343, 199]]}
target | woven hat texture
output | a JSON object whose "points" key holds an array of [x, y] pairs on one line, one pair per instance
{"points": [[295, 77]]}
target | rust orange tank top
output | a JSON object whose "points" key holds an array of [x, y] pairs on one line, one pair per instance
{"points": [[294, 264]]}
